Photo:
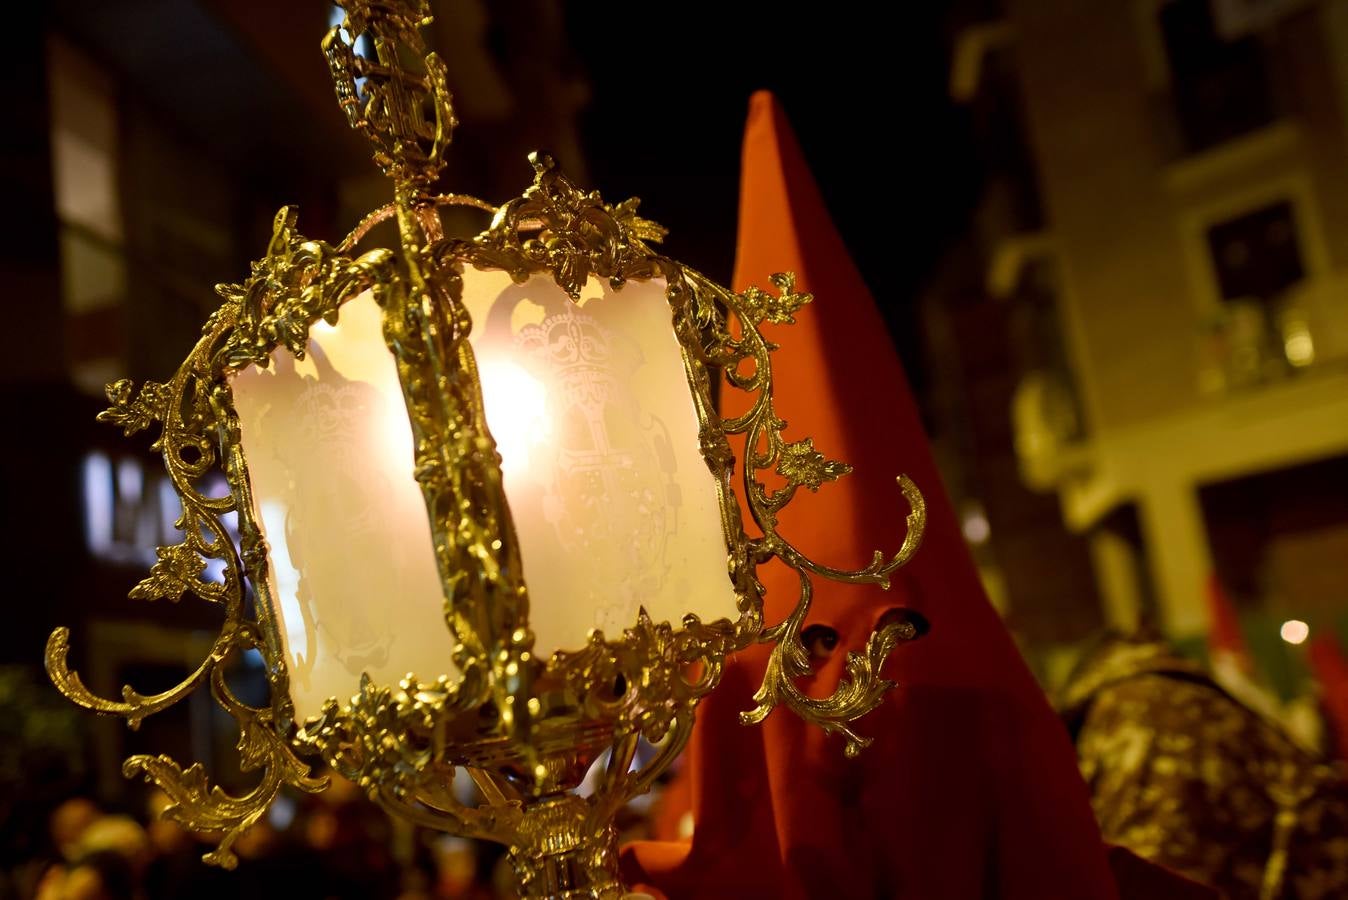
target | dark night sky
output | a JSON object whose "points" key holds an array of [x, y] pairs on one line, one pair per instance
{"points": [[865, 90]]}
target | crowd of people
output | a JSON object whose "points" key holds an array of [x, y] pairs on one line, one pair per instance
{"points": [[332, 846]]}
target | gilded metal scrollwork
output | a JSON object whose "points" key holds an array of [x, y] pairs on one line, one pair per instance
{"points": [[408, 117], [295, 285], [194, 803], [798, 464], [526, 728]]}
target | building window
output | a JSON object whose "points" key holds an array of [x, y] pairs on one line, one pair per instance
{"points": [[84, 145], [1220, 86], [1257, 255], [1261, 330], [130, 509]]}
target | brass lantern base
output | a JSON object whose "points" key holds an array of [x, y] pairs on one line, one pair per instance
{"points": [[562, 855]]}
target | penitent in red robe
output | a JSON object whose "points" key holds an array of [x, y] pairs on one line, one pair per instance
{"points": [[970, 789]]}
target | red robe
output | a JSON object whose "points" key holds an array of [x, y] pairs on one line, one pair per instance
{"points": [[971, 788]]}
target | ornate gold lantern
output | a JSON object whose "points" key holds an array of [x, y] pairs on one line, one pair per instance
{"points": [[494, 462]]}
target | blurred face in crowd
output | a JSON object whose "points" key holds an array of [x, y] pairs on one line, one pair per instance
{"points": [[68, 823], [82, 882]]}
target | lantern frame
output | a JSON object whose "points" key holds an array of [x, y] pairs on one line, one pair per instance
{"points": [[524, 727]]}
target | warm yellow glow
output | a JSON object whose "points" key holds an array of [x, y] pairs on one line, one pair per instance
{"points": [[1299, 346], [517, 412], [285, 580], [1294, 631], [352, 572], [611, 499]]}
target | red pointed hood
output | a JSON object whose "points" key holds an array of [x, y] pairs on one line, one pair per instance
{"points": [[971, 787]]}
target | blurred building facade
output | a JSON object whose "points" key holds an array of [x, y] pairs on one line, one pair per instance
{"points": [[1164, 240]]}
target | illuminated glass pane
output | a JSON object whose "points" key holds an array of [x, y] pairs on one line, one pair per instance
{"points": [[352, 568], [613, 503]]}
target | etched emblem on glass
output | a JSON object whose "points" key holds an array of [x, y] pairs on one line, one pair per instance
{"points": [[610, 454], [329, 452], [591, 412]]}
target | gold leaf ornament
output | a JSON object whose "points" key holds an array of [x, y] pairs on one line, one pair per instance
{"points": [[132, 411], [779, 308], [178, 571], [801, 464]]}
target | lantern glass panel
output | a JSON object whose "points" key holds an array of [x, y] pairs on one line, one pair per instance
{"points": [[351, 565], [613, 503]]}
